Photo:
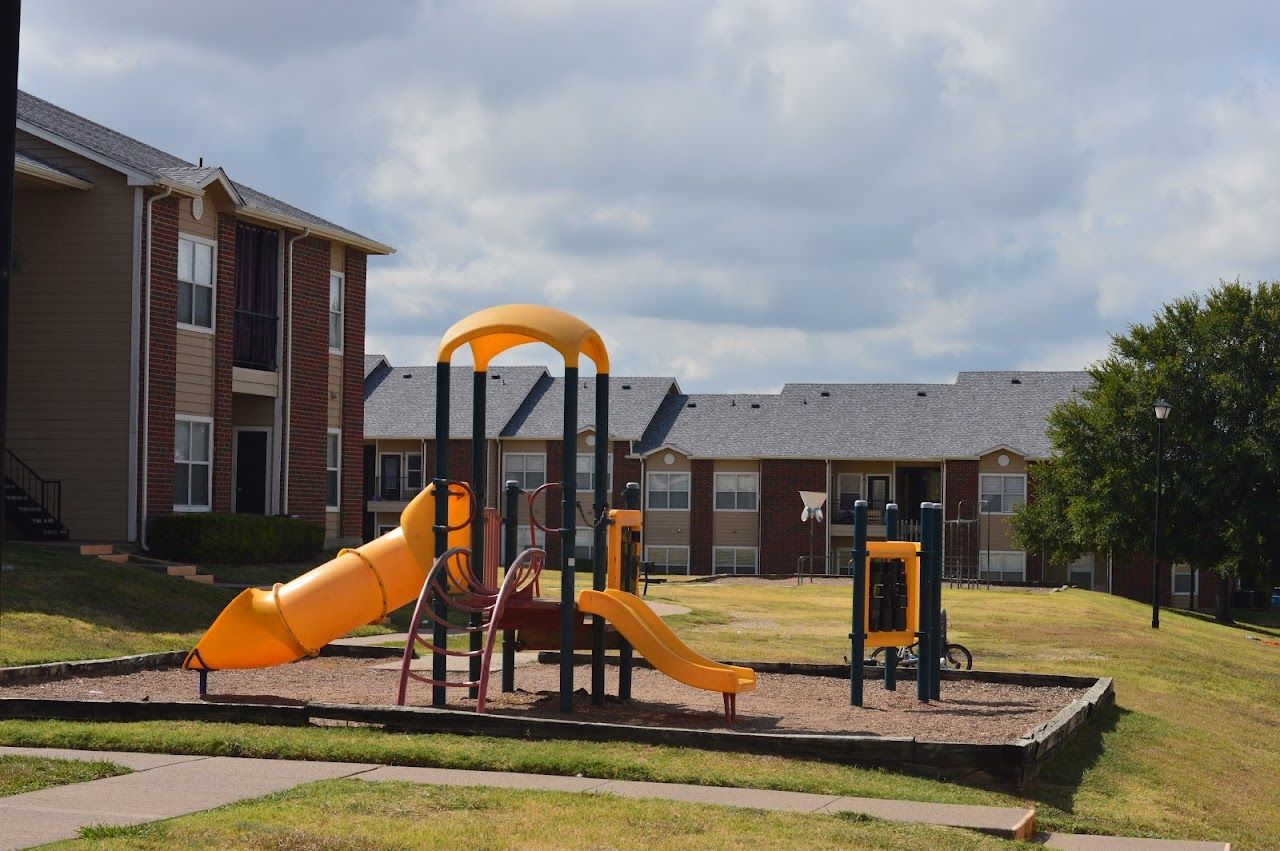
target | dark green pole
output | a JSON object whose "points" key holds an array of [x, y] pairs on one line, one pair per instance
{"points": [[440, 635], [568, 532], [599, 562], [510, 524], [12, 19], [925, 598], [1155, 545], [479, 475], [891, 653], [631, 500], [858, 633], [939, 641]]}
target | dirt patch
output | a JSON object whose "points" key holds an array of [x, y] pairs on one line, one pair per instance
{"points": [[968, 711]]}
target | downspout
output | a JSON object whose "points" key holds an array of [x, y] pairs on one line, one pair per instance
{"points": [[135, 363], [287, 435], [146, 370]]}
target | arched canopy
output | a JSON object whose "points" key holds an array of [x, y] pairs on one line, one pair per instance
{"points": [[494, 330]]}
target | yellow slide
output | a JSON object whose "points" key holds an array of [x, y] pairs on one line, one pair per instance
{"points": [[659, 645], [262, 628]]}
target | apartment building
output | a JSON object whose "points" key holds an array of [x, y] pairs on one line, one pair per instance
{"points": [[179, 342], [720, 474]]}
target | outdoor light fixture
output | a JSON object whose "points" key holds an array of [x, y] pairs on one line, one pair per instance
{"points": [[1162, 409]]}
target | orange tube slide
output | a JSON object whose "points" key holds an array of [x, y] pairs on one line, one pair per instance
{"points": [[261, 628]]}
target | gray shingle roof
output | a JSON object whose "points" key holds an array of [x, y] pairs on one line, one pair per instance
{"points": [[401, 402], [980, 411], [372, 362], [632, 404], [20, 156], [151, 161]]}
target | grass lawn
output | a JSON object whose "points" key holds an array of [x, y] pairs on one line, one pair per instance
{"points": [[20, 774], [263, 574], [57, 605], [354, 816]]}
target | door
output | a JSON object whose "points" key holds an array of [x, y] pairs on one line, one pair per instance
{"points": [[390, 478], [369, 464], [877, 495], [251, 472]]}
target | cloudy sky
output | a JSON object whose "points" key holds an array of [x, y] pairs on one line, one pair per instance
{"points": [[737, 193]]}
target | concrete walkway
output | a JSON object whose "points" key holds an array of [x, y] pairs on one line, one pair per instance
{"points": [[164, 786]]}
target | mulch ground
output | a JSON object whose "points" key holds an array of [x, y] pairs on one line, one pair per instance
{"points": [[968, 711]]}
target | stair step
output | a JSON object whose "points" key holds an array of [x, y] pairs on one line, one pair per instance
{"points": [[96, 549], [115, 558], [181, 569], [202, 578]]}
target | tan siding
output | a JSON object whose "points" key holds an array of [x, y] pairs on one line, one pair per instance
{"points": [[257, 382], [69, 348], [206, 228], [656, 463], [1001, 531], [331, 527], [399, 446], [335, 391], [337, 256], [990, 463], [666, 527], [1001, 534], [193, 381], [736, 528], [253, 410]]}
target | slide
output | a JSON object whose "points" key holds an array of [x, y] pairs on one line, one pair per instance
{"points": [[262, 628], [659, 645]]}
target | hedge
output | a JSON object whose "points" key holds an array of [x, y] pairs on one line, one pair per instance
{"points": [[234, 538]]}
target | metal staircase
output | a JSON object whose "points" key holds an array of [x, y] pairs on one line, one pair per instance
{"points": [[32, 503]]}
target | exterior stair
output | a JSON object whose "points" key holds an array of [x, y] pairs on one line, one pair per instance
{"points": [[32, 503], [108, 553]]}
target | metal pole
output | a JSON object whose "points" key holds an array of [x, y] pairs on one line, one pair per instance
{"points": [[11, 23], [440, 531], [630, 500], [891, 653], [511, 524], [939, 640], [1155, 546], [858, 630], [479, 481], [599, 554], [924, 599], [568, 537]]}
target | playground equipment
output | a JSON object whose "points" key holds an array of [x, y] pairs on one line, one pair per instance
{"points": [[442, 556], [897, 598]]}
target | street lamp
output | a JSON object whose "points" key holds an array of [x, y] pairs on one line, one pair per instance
{"points": [[1162, 409]]}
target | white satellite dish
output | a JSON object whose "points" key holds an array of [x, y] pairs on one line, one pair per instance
{"points": [[813, 502]]}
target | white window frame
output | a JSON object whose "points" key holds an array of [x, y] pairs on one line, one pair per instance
{"points": [[212, 285], [687, 491], [384, 529], [336, 469], [590, 457], [187, 507], [1173, 580], [506, 468], [1093, 571], [982, 555], [1002, 476], [340, 313], [755, 551], [716, 491], [648, 556]]}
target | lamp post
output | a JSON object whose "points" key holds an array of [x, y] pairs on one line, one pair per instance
{"points": [[1162, 409]]}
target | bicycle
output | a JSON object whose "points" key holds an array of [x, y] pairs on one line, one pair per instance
{"points": [[957, 657]]}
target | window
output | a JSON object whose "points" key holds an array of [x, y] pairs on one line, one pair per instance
{"points": [[413, 472], [669, 491], [1005, 566], [1003, 493], [1184, 579], [529, 469], [584, 543], [735, 560], [586, 473], [848, 491], [192, 467], [335, 312], [1080, 572], [841, 562], [332, 457], [668, 559], [736, 491], [195, 282]]}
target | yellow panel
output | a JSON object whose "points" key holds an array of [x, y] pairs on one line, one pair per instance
{"points": [[622, 519], [909, 553], [495, 329]]}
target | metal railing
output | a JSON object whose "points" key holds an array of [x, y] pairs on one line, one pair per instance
{"points": [[254, 344], [827, 566], [394, 489], [47, 492]]}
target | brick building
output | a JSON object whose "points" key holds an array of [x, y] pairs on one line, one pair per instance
{"points": [[180, 342]]}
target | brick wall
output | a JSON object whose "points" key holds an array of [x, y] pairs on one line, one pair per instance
{"points": [[1131, 577], [960, 501], [783, 536], [624, 470], [161, 339], [701, 515], [1035, 561], [555, 473], [352, 486], [223, 353], [309, 408]]}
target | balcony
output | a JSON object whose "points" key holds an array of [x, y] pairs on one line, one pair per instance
{"points": [[255, 340], [392, 493]]}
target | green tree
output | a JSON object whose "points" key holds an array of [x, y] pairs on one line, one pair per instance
{"points": [[1216, 359]]}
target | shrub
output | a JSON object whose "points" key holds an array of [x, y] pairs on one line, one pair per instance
{"points": [[234, 538]]}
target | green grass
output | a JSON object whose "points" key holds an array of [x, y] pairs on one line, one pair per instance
{"points": [[20, 774], [352, 815], [264, 574], [58, 605]]}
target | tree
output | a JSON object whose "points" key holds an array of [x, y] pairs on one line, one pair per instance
{"points": [[1216, 359]]}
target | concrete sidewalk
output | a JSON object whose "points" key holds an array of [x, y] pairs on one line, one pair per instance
{"points": [[164, 786]]}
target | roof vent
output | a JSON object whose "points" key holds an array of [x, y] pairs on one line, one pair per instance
{"points": [[733, 403], [626, 387], [1015, 381], [407, 375], [825, 394], [755, 404], [692, 405], [496, 376], [921, 393]]}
